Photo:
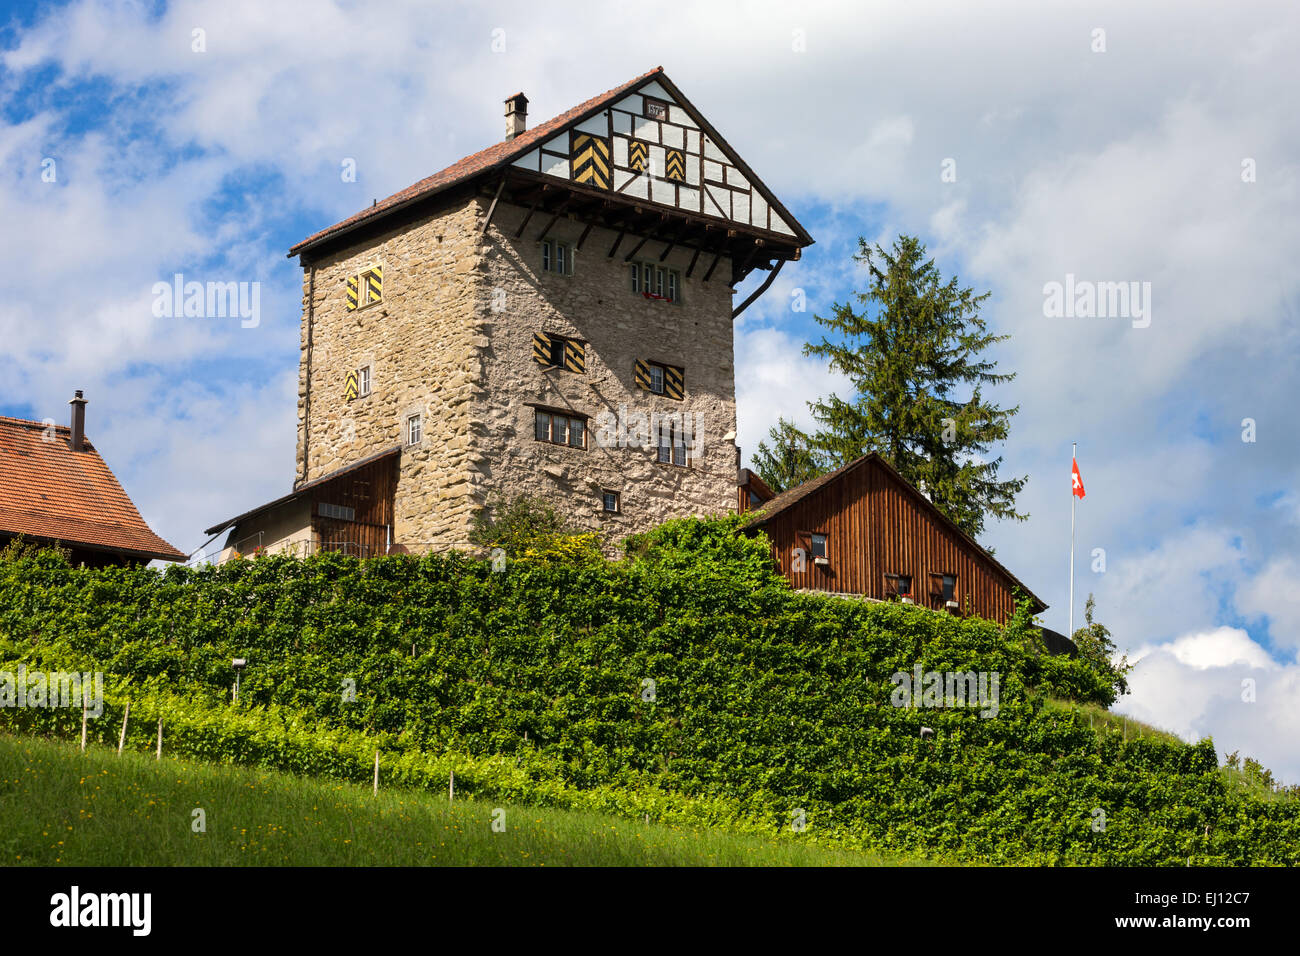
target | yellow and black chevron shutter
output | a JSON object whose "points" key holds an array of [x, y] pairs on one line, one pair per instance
{"points": [[637, 155], [350, 387], [642, 375], [541, 348], [375, 281], [675, 165], [575, 356], [352, 293], [674, 382], [590, 160]]}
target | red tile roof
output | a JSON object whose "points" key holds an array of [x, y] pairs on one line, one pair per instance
{"points": [[495, 155], [49, 492]]}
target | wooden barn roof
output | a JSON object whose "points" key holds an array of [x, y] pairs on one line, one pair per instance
{"points": [[306, 487], [48, 492], [787, 499]]}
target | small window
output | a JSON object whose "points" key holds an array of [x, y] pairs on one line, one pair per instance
{"points": [[341, 512], [672, 446], [655, 282], [414, 430], [363, 381], [659, 379], [610, 501], [898, 585], [556, 257], [560, 429], [557, 351], [819, 546], [372, 285]]}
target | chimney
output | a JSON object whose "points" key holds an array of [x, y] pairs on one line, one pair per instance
{"points": [[78, 421], [516, 115]]}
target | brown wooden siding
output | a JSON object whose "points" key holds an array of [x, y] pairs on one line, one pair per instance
{"points": [[875, 525], [369, 491]]}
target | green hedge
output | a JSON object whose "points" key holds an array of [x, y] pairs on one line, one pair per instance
{"points": [[765, 701]]}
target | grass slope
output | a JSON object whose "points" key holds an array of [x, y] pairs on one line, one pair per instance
{"points": [[59, 806]]}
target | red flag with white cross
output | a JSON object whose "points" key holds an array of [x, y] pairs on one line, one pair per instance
{"points": [[1076, 480]]}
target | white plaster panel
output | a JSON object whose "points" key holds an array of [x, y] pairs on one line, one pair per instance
{"points": [[740, 207], [713, 171], [673, 136], [646, 129], [721, 200], [663, 191], [633, 104], [597, 124], [638, 188], [734, 178], [758, 211], [552, 166], [622, 123], [689, 198], [712, 152], [529, 160], [620, 177], [692, 141], [620, 151]]}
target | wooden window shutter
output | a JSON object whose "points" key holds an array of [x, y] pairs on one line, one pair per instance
{"points": [[352, 293], [675, 165], [375, 280], [589, 160], [575, 356], [674, 382], [541, 348], [642, 375], [350, 387]]}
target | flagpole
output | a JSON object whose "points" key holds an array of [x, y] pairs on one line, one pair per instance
{"points": [[1074, 455]]}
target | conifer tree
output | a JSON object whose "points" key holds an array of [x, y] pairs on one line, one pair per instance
{"points": [[914, 356], [790, 459]]}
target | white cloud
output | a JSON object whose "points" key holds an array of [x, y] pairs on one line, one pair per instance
{"points": [[1201, 684]]}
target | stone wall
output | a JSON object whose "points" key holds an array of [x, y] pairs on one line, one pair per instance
{"points": [[596, 304], [419, 342], [452, 339]]}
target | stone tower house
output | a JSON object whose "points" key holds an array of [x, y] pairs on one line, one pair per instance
{"points": [[551, 316]]}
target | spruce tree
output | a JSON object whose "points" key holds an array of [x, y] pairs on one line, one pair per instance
{"points": [[789, 461], [914, 356]]}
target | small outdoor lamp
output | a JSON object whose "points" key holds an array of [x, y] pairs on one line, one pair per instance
{"points": [[239, 663]]}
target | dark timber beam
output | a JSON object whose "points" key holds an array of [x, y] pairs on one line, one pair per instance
{"points": [[676, 239], [492, 208], [771, 276], [717, 256], [617, 240], [583, 238], [524, 225], [559, 211], [636, 248], [691, 267]]}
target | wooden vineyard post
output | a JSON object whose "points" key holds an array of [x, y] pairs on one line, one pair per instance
{"points": [[121, 741]]}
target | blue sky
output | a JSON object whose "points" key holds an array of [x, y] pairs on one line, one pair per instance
{"points": [[1110, 157]]}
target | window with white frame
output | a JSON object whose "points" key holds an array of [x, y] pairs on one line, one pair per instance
{"points": [[559, 429], [414, 429], [557, 257], [656, 282]]}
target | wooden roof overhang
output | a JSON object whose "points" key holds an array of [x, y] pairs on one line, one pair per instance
{"points": [[643, 229]]}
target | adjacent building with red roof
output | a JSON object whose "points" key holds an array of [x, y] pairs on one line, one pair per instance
{"points": [[56, 489]]}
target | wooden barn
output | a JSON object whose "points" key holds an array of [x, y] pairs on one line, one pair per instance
{"points": [[349, 510], [863, 530]]}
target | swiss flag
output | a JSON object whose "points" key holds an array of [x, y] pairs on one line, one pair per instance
{"points": [[1076, 480]]}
